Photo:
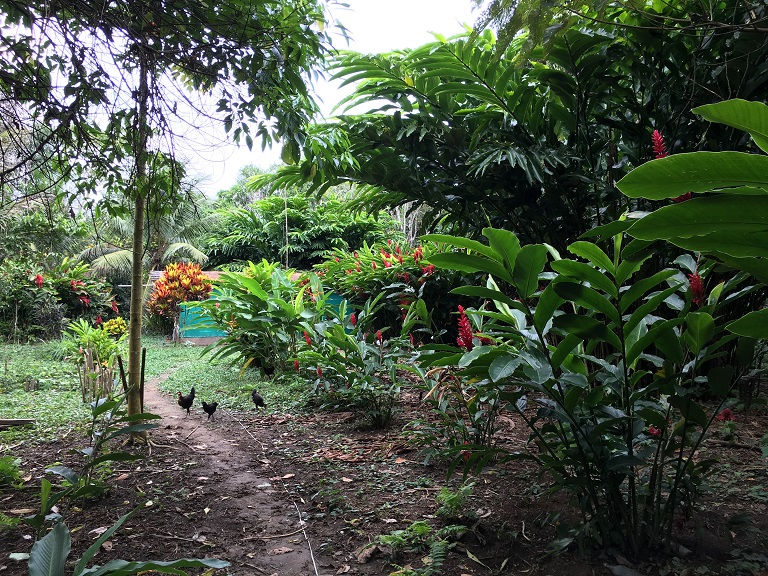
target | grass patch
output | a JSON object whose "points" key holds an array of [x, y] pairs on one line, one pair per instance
{"points": [[36, 383]]}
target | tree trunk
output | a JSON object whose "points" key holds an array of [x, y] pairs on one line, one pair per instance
{"points": [[137, 280]]}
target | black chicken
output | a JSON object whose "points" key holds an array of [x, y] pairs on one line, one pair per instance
{"points": [[209, 408], [258, 400], [186, 401]]}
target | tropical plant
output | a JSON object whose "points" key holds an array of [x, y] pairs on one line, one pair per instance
{"points": [[109, 420], [357, 366], [49, 555], [729, 221], [616, 362], [262, 310], [402, 275], [173, 232], [479, 137], [296, 227], [181, 282], [94, 350]]}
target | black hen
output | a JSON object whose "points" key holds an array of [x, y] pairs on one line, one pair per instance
{"points": [[186, 401], [209, 408], [258, 400]]}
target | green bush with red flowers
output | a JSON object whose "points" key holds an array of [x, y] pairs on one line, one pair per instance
{"points": [[402, 275], [38, 303]]}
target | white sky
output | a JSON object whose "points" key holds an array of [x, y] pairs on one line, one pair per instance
{"points": [[375, 26]]}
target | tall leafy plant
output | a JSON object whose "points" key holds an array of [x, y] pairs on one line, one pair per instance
{"points": [[262, 310], [615, 362], [727, 217]]}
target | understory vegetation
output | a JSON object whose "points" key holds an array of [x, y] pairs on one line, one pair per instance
{"points": [[566, 226]]}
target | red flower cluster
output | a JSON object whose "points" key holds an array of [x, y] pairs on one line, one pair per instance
{"points": [[697, 289], [726, 416], [659, 148], [296, 365], [39, 280], [307, 339], [353, 320], [465, 331], [653, 431]]}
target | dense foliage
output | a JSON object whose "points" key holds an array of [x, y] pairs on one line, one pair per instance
{"points": [[293, 229], [534, 147]]}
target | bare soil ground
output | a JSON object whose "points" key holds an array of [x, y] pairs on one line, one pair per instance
{"points": [[276, 494]]}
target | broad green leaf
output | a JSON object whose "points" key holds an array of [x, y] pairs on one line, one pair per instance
{"points": [[586, 273], [586, 328], [700, 329], [563, 349], [504, 366], [608, 230], [675, 175], [639, 288], [548, 302], [48, 556], [461, 242], [736, 245], [467, 263], [124, 568], [594, 254], [748, 116], [65, 472], [504, 243], [648, 307], [587, 298], [720, 379], [753, 325], [529, 263]]}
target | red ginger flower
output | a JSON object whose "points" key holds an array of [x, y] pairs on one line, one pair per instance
{"points": [[296, 365], [653, 431], [39, 280], [697, 289], [114, 306], [465, 331], [353, 320], [725, 416], [378, 337], [659, 148], [307, 339], [319, 371]]}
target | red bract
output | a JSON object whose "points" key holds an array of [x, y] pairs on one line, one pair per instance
{"points": [[307, 339], [387, 264], [653, 431], [378, 336], [319, 371], [39, 280], [296, 365], [114, 306], [465, 331], [726, 415], [682, 197], [697, 289], [353, 320], [659, 148], [373, 265], [99, 320]]}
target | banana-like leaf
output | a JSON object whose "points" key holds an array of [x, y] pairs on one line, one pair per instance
{"points": [[587, 298], [753, 325], [587, 328], [749, 116], [678, 174], [48, 556], [467, 263]]}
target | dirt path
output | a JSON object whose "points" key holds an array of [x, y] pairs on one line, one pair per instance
{"points": [[239, 510]]}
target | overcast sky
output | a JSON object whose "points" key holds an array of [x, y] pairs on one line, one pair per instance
{"points": [[375, 26]]}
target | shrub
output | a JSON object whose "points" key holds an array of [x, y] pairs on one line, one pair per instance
{"points": [[402, 275], [262, 310], [615, 362], [181, 282]]}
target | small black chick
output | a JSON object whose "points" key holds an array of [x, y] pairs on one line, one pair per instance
{"points": [[186, 401], [258, 400], [209, 408]]}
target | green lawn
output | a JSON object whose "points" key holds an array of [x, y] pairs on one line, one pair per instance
{"points": [[37, 384]]}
